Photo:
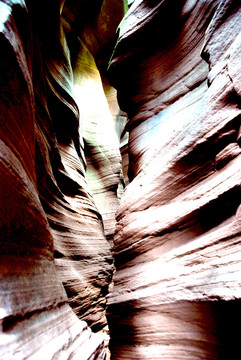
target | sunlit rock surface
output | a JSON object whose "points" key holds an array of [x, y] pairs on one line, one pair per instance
{"points": [[52, 238], [177, 245], [176, 70], [100, 139]]}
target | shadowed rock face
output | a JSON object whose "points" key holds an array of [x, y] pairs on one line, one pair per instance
{"points": [[55, 126], [176, 68], [177, 244]]}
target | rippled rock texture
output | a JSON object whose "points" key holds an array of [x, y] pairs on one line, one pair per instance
{"points": [[176, 69], [177, 245], [60, 169]]}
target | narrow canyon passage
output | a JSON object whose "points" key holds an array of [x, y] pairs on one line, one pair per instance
{"points": [[120, 173]]}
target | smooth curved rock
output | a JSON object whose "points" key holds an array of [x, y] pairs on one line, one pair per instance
{"points": [[100, 138], [51, 232], [176, 68], [177, 243]]}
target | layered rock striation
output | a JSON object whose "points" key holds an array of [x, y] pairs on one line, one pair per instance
{"points": [[176, 70], [56, 127], [177, 244]]}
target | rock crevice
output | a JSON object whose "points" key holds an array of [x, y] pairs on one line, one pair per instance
{"points": [[172, 236]]}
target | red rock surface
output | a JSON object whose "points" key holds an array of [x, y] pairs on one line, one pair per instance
{"points": [[51, 232], [176, 70], [177, 242]]}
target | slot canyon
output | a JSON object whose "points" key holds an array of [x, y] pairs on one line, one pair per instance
{"points": [[120, 174]]}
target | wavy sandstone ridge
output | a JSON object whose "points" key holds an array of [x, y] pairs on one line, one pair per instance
{"points": [[55, 125], [177, 243], [176, 70]]}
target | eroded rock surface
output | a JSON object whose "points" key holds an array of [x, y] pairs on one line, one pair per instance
{"points": [[176, 68], [177, 243], [51, 134]]}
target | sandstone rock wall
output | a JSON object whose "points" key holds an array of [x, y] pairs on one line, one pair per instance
{"points": [[55, 126], [176, 70], [177, 244]]}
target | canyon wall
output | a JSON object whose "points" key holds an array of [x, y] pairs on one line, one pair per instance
{"points": [[60, 170], [174, 236], [177, 293]]}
